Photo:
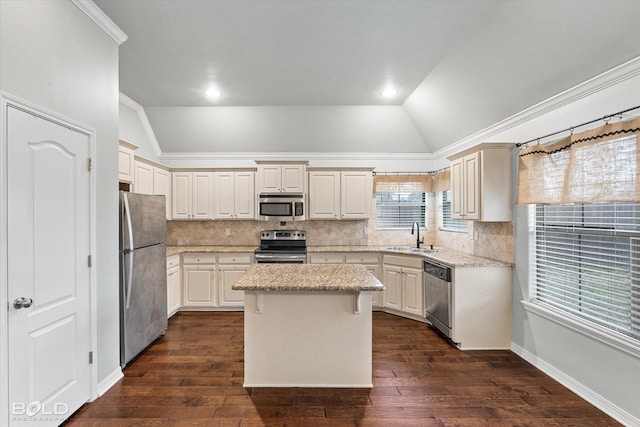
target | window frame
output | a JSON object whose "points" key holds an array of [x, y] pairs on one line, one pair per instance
{"points": [[423, 220], [583, 325]]}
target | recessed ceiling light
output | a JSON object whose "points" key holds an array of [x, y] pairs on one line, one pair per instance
{"points": [[213, 93], [389, 92]]}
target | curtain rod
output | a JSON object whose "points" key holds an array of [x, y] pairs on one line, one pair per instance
{"points": [[412, 173], [572, 128]]}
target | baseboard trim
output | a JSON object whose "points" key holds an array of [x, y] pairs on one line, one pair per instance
{"points": [[110, 381], [578, 388]]}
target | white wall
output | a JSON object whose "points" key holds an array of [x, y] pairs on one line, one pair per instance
{"points": [[132, 130], [54, 56], [607, 376]]}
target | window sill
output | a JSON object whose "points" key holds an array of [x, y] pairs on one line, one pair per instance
{"points": [[591, 330]]}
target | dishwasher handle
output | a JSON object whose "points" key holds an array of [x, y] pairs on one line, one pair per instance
{"points": [[437, 270]]}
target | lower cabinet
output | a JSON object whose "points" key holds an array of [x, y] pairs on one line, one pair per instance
{"points": [[371, 261], [230, 268], [198, 280], [174, 285], [402, 278]]}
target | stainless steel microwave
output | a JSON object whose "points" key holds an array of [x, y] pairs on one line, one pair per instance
{"points": [[281, 207]]}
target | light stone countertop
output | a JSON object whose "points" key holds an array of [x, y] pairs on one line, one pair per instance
{"points": [[308, 277], [448, 257]]}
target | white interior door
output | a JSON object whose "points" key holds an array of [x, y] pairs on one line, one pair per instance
{"points": [[48, 216]]}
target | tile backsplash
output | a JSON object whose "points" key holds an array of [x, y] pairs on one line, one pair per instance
{"points": [[492, 240]]}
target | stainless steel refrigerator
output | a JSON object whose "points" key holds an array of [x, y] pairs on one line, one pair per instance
{"points": [[143, 273]]}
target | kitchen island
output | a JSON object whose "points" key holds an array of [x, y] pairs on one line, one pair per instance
{"points": [[307, 325]]}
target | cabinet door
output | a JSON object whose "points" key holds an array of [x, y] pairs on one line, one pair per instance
{"points": [[457, 189], [174, 293], [292, 178], [412, 292], [376, 296], [125, 164], [162, 186], [143, 178], [202, 194], [356, 195], [324, 195], [471, 184], [198, 286], [393, 287], [223, 201], [269, 179], [229, 274], [245, 195], [181, 195]]}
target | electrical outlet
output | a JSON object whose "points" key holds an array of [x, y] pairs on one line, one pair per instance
{"points": [[227, 231], [366, 231]]}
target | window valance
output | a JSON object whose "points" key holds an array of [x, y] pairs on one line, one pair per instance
{"points": [[598, 165], [442, 180], [403, 183]]}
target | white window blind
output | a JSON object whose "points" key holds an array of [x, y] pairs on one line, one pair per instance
{"points": [[446, 222], [586, 260], [400, 210]]}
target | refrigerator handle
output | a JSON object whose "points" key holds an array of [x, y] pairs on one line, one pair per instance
{"points": [[130, 273]]}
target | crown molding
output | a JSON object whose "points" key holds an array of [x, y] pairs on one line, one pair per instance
{"points": [[300, 156], [99, 17], [596, 84], [144, 121]]}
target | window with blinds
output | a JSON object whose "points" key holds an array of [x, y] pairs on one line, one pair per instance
{"points": [[444, 214], [400, 210], [587, 262]]}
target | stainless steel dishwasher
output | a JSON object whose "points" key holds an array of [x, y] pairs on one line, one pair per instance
{"points": [[437, 296]]}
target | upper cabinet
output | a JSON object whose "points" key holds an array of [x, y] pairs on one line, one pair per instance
{"points": [[234, 195], [340, 194], [280, 177], [192, 195], [152, 179], [126, 161], [481, 183]]}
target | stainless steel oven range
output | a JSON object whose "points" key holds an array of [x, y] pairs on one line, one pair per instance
{"points": [[282, 247]]}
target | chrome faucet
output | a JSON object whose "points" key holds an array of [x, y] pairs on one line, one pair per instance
{"points": [[415, 226]]}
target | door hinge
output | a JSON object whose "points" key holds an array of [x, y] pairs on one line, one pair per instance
{"points": [[89, 164], [89, 261], [91, 358]]}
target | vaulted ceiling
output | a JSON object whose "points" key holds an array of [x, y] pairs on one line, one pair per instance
{"points": [[459, 66]]}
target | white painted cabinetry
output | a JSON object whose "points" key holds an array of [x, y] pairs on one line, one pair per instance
{"points": [[482, 303], [143, 178], [198, 280], [281, 178], [174, 285], [371, 260], [230, 267], [340, 194], [162, 186], [192, 195], [481, 183], [234, 195], [403, 284], [126, 162]]}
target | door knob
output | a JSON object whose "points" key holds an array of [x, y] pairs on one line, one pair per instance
{"points": [[22, 302]]}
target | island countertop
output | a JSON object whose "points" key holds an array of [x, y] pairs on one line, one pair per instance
{"points": [[308, 277]]}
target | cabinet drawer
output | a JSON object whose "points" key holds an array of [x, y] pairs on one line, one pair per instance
{"points": [[405, 261], [234, 258], [199, 258], [173, 261], [326, 258], [362, 258]]}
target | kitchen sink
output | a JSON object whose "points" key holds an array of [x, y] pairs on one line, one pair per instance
{"points": [[399, 248]]}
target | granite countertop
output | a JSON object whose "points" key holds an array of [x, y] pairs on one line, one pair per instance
{"points": [[308, 277], [174, 250], [449, 257]]}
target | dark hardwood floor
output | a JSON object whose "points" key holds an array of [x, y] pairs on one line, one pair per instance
{"points": [[193, 377]]}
